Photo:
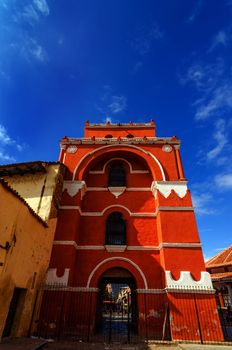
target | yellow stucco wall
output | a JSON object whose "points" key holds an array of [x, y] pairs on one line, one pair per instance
{"points": [[37, 189], [28, 256]]}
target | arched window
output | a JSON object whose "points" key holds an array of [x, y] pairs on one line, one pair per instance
{"points": [[115, 229], [117, 175], [108, 136]]}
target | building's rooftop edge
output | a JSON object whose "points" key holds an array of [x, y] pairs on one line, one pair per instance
{"points": [[151, 124], [120, 140], [16, 194]]}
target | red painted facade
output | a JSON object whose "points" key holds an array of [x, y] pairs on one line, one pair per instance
{"points": [[162, 250]]}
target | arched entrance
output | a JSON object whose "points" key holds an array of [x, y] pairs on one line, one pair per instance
{"points": [[116, 313]]}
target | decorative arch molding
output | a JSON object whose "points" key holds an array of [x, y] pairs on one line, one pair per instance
{"points": [[139, 151], [123, 160], [116, 206], [119, 258]]}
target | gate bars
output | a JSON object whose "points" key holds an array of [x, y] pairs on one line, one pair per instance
{"points": [[68, 313]]}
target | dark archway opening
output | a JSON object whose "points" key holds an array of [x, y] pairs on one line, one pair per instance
{"points": [[117, 315]]}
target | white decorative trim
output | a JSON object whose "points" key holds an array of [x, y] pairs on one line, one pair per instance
{"points": [[167, 148], [97, 189], [84, 289], [179, 245], [151, 291], [72, 149], [131, 247], [73, 187], [122, 159], [73, 243], [138, 247], [117, 191], [61, 287], [122, 259], [115, 248], [138, 189], [52, 277], [122, 146], [94, 213], [187, 282], [90, 247], [161, 208], [165, 187], [129, 189]]}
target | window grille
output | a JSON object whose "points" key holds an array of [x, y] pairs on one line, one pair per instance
{"points": [[115, 229], [117, 175]]}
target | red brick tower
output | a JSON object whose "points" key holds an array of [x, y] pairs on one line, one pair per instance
{"points": [[127, 216]]}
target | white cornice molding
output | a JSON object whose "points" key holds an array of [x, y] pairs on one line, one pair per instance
{"points": [[61, 287], [162, 208], [186, 282], [142, 214], [52, 277], [139, 171], [73, 187], [129, 189], [115, 248], [165, 188], [151, 291], [76, 207], [128, 247], [117, 191]]}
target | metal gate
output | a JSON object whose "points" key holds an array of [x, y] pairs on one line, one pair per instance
{"points": [[116, 319]]}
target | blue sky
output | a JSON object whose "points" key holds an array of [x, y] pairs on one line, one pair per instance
{"points": [[62, 63]]}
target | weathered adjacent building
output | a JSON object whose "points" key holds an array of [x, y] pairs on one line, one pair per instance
{"points": [[220, 268], [29, 195]]}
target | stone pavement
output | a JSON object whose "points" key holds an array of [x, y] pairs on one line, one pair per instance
{"points": [[141, 346], [36, 344], [22, 344]]}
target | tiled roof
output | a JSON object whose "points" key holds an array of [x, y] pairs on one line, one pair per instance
{"points": [[221, 276], [24, 168], [224, 258]]}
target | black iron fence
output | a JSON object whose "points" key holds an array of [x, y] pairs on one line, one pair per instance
{"points": [[69, 313]]}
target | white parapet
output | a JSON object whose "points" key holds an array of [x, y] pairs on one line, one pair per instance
{"points": [[73, 187], [53, 279], [187, 283], [165, 187]]}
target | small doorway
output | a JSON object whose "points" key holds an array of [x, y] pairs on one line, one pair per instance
{"points": [[16, 300], [116, 318]]}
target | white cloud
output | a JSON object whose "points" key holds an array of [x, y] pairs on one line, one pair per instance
{"points": [[6, 142], [219, 101], [196, 11], [108, 120], [4, 137], [221, 138], [144, 38], [42, 6], [5, 157], [118, 104], [221, 39], [224, 181], [111, 103], [31, 49], [204, 77], [202, 203], [30, 14]]}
